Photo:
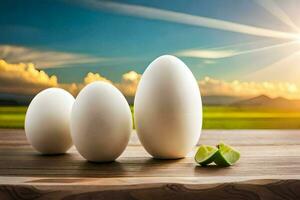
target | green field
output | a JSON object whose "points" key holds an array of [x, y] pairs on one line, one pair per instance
{"points": [[228, 117], [12, 117], [215, 117]]}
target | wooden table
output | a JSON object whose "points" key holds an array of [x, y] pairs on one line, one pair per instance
{"points": [[269, 168]]}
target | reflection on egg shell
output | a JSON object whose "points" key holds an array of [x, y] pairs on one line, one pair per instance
{"points": [[101, 122], [168, 109], [47, 121]]}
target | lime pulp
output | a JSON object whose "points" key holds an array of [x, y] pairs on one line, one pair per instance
{"points": [[226, 155], [205, 154]]}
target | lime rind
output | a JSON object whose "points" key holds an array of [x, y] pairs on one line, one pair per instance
{"points": [[205, 154], [226, 155]]}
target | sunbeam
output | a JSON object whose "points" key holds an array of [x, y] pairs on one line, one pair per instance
{"points": [[276, 11], [177, 17], [218, 53], [285, 69]]}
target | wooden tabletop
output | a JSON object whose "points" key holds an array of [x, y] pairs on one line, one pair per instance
{"points": [[269, 168]]}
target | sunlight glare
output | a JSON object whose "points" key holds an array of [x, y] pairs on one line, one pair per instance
{"points": [[298, 38]]}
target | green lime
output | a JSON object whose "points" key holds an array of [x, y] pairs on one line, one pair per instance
{"points": [[226, 156], [205, 154]]}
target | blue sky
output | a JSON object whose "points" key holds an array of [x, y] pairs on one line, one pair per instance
{"points": [[111, 41]]}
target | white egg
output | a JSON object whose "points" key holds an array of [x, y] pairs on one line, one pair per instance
{"points": [[101, 122], [168, 109], [47, 122]]}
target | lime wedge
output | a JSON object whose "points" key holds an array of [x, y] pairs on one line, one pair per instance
{"points": [[226, 156], [205, 154]]}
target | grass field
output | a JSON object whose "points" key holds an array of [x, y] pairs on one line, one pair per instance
{"points": [[215, 117], [228, 117], [12, 117]]}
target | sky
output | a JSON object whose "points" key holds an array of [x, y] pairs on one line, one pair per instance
{"points": [[253, 42]]}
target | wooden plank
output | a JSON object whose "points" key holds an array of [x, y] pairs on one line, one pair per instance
{"points": [[265, 190], [234, 137], [19, 159], [269, 166]]}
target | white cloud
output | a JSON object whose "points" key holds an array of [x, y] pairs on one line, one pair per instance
{"points": [[218, 53], [43, 59], [210, 86], [92, 77], [129, 83], [210, 54], [209, 62], [24, 78], [183, 18]]}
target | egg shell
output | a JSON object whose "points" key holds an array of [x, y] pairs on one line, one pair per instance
{"points": [[168, 109], [47, 121], [101, 122]]}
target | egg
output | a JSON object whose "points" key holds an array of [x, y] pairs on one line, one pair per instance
{"points": [[168, 109], [47, 121], [101, 122]]}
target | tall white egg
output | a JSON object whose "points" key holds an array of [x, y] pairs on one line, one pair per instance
{"points": [[101, 122], [47, 121], [168, 109]]}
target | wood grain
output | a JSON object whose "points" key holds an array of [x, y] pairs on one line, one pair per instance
{"points": [[276, 190], [269, 169]]}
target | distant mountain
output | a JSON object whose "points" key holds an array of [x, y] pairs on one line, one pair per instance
{"points": [[260, 101], [266, 101], [207, 100], [221, 100], [255, 101]]}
